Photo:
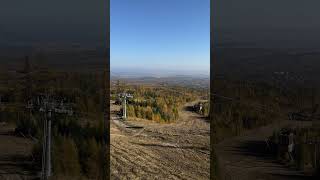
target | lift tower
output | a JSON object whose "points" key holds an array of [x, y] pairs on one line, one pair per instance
{"points": [[124, 97], [49, 106]]}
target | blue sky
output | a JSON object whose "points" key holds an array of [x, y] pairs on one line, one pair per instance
{"points": [[160, 34]]}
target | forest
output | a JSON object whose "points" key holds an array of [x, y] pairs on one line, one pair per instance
{"points": [[240, 105], [77, 137], [243, 105], [159, 103]]}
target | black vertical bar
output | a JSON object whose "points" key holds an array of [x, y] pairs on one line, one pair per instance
{"points": [[212, 124], [106, 84]]}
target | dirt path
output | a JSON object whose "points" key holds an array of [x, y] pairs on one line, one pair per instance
{"points": [[160, 151], [14, 155], [246, 157]]}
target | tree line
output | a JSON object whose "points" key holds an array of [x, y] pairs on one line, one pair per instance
{"points": [[77, 142], [159, 104]]}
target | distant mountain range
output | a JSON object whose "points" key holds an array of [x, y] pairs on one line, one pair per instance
{"points": [[156, 73], [181, 80]]}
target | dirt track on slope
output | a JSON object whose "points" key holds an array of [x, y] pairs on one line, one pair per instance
{"points": [[160, 151]]}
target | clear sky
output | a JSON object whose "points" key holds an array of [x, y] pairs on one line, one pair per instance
{"points": [[160, 34]]}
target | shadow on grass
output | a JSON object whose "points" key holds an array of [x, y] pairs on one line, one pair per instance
{"points": [[190, 109]]}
